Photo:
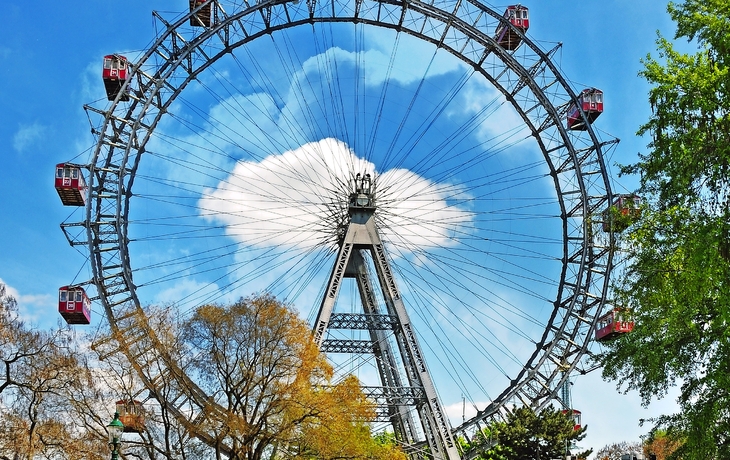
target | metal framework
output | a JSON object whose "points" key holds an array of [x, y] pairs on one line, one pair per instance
{"points": [[361, 239], [528, 80]]}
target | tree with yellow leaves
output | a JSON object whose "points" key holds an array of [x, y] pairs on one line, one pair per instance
{"points": [[259, 360], [660, 445]]}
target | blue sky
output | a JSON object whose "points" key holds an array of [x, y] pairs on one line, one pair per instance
{"points": [[50, 68]]}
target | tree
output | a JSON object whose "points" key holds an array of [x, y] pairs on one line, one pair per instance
{"points": [[39, 370], [256, 357], [661, 445], [677, 277], [527, 435], [616, 450], [341, 430], [164, 436], [260, 361]]}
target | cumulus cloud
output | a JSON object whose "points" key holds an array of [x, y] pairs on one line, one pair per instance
{"points": [[185, 292], [292, 196], [263, 163], [405, 64], [31, 307], [27, 299], [27, 135], [461, 411]]}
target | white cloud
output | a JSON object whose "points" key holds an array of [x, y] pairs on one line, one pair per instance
{"points": [[413, 59], [32, 307], [462, 411], [28, 300], [281, 193], [91, 85], [292, 196], [497, 121], [27, 135], [187, 292], [414, 62]]}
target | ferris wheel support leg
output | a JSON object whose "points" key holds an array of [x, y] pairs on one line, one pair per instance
{"points": [[361, 237], [402, 421]]}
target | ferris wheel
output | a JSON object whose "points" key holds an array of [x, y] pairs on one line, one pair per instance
{"points": [[235, 150]]}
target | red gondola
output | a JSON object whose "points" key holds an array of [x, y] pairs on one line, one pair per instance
{"points": [[591, 100], [115, 74], [506, 36], [614, 323], [622, 213], [576, 417], [131, 414], [74, 305], [202, 17], [70, 185]]}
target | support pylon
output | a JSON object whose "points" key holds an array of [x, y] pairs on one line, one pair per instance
{"points": [[406, 385]]}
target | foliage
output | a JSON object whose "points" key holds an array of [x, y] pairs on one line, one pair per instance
{"points": [[661, 445], [256, 356], [616, 450], [56, 397], [677, 277], [618, 218], [386, 446], [259, 358], [340, 430], [115, 378], [39, 372], [527, 435]]}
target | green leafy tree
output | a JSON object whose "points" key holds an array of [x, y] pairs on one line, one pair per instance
{"points": [[527, 435], [678, 277]]}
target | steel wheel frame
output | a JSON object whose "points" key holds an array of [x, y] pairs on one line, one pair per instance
{"points": [[529, 81]]}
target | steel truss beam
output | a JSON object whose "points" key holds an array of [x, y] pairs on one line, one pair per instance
{"points": [[362, 238]]}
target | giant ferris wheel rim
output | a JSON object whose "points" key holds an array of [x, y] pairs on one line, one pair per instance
{"points": [[159, 92]]}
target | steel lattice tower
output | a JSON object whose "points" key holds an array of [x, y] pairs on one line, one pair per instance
{"points": [[407, 394]]}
